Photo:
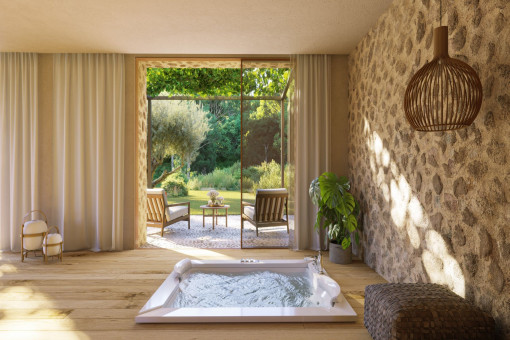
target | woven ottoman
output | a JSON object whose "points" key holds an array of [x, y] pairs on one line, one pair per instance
{"points": [[423, 311]]}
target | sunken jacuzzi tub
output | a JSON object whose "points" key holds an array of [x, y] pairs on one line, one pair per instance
{"points": [[246, 291]]}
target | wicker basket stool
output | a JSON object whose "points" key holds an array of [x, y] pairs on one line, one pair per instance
{"points": [[422, 311]]}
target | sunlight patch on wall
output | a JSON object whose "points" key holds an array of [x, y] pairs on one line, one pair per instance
{"points": [[385, 191], [400, 196], [417, 219], [441, 267], [408, 213], [416, 213]]}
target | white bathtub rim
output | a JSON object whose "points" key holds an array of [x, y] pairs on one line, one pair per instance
{"points": [[156, 306], [342, 312]]}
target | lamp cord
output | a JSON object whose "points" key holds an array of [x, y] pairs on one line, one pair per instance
{"points": [[440, 12]]}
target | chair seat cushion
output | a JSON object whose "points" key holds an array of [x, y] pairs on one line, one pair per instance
{"points": [[55, 249], [34, 227], [175, 212], [249, 211]]}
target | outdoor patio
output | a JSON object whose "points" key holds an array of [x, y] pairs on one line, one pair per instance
{"points": [[178, 235]]}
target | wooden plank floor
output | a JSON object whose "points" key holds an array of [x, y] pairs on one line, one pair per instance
{"points": [[97, 295]]}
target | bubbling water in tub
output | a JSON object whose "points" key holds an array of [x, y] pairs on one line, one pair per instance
{"points": [[251, 289]]}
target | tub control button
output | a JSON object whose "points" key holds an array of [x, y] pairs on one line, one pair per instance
{"points": [[249, 261]]}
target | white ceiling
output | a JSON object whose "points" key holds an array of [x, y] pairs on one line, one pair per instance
{"points": [[187, 26]]}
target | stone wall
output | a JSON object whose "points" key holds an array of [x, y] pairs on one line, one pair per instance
{"points": [[436, 205]]}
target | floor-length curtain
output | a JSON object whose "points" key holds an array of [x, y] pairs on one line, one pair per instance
{"points": [[89, 149], [18, 144], [311, 118]]}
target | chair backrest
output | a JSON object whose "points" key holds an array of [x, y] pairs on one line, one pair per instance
{"points": [[270, 204], [156, 199]]}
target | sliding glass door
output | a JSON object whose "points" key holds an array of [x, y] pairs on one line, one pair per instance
{"points": [[264, 140]]}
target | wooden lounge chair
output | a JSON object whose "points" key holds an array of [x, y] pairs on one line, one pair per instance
{"points": [[267, 210], [161, 214]]}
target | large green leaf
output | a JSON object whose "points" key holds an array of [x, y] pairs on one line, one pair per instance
{"points": [[333, 232], [346, 242], [349, 202], [330, 190], [351, 223], [319, 219], [314, 191]]}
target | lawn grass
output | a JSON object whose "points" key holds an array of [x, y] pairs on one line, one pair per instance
{"points": [[199, 197]]}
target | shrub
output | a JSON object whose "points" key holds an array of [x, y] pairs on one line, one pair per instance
{"points": [[194, 183], [263, 176], [247, 184], [271, 176], [220, 179], [253, 173], [175, 186], [235, 169], [227, 178]]}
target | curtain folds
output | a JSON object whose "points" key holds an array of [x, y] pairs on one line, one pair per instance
{"points": [[88, 141], [18, 144], [311, 117]]}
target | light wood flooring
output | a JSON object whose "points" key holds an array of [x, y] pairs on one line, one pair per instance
{"points": [[97, 295]]}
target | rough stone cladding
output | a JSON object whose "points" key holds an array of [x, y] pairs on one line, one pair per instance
{"points": [[141, 153], [436, 205]]}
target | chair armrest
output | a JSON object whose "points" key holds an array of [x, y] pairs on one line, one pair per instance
{"points": [[176, 204], [243, 203]]}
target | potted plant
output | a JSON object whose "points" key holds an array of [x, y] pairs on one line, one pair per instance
{"points": [[338, 212]]}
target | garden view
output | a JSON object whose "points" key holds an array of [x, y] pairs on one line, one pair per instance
{"points": [[196, 132]]}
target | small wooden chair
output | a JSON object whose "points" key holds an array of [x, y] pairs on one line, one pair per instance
{"points": [[161, 214], [267, 210]]}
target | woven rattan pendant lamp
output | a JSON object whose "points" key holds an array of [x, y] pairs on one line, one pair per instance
{"points": [[445, 94]]}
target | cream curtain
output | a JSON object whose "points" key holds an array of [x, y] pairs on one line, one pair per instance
{"points": [[18, 144], [88, 107], [311, 117]]}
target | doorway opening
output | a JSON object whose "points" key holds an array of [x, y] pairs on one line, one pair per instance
{"points": [[220, 126]]}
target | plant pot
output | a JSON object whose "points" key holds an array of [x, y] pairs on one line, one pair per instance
{"points": [[338, 255]]}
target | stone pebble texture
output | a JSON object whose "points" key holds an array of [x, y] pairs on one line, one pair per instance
{"points": [[435, 204]]}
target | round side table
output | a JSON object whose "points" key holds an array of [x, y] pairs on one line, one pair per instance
{"points": [[214, 214]]}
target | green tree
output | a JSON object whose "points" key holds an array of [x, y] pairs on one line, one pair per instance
{"points": [[204, 82], [221, 148], [260, 130], [178, 128], [199, 82], [265, 81]]}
